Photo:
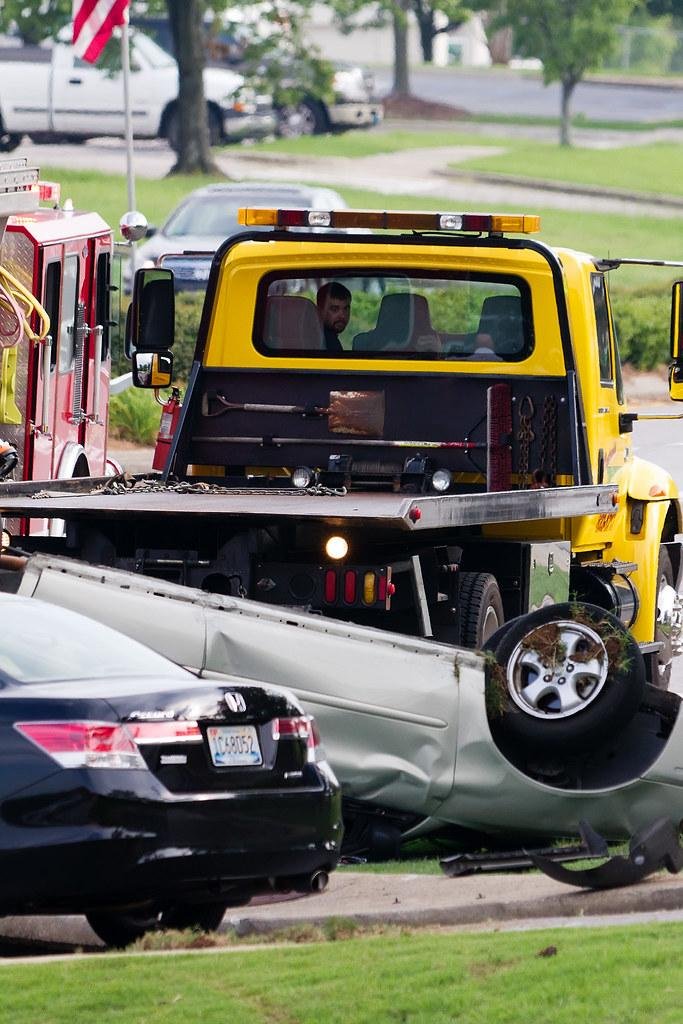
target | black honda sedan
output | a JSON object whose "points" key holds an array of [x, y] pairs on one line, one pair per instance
{"points": [[142, 795]]}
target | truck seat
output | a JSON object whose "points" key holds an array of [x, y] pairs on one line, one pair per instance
{"points": [[292, 321], [501, 325], [403, 323]]}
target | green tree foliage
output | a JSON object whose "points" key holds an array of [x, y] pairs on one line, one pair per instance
{"points": [[34, 20], [571, 37]]}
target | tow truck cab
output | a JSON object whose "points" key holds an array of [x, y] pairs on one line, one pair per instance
{"points": [[479, 371]]}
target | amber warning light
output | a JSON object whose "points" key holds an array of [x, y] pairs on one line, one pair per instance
{"points": [[494, 223]]}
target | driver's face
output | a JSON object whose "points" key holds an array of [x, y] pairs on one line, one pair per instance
{"points": [[336, 314]]}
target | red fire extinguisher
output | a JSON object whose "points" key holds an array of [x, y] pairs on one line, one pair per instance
{"points": [[170, 414]]}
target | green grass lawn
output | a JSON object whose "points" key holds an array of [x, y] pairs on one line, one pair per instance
{"points": [[598, 233], [656, 168], [628, 975]]}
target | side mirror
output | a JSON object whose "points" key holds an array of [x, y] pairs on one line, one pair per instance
{"points": [[152, 369], [152, 319], [676, 367]]}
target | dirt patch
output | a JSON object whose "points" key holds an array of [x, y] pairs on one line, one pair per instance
{"points": [[413, 108]]}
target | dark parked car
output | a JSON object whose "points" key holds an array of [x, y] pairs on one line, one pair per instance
{"points": [[142, 795]]}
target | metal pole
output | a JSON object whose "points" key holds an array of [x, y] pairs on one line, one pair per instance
{"points": [[130, 173]]}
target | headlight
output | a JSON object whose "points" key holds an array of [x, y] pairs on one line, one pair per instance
{"points": [[302, 476], [336, 548], [442, 480]]}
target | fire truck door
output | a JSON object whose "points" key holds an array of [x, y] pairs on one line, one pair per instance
{"points": [[97, 361], [70, 354]]}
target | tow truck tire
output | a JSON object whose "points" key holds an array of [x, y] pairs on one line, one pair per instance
{"points": [[481, 608], [119, 928], [565, 690], [663, 660]]}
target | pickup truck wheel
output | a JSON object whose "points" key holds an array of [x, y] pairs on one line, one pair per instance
{"points": [[481, 608], [215, 127], [305, 118], [666, 598], [568, 676], [8, 141]]}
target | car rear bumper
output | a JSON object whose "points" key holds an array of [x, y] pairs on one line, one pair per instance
{"points": [[122, 849], [355, 115]]}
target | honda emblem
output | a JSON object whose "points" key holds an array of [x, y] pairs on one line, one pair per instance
{"points": [[235, 702]]}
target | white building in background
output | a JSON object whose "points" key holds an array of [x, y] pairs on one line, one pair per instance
{"points": [[368, 45]]}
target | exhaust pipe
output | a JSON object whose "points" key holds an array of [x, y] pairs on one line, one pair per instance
{"points": [[305, 884]]}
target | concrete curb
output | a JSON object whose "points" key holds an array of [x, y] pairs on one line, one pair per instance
{"points": [[400, 900]]}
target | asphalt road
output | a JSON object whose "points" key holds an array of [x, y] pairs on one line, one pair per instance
{"points": [[506, 93]]}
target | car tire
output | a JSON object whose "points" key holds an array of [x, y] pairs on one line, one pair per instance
{"points": [[663, 659], [481, 608], [539, 699], [120, 928]]}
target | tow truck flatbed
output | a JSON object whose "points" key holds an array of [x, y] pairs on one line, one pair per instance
{"points": [[92, 497]]}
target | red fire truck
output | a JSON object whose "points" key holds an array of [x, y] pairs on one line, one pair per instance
{"points": [[55, 333]]}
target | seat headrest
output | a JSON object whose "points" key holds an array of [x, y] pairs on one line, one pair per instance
{"points": [[292, 321], [502, 319], [401, 319]]}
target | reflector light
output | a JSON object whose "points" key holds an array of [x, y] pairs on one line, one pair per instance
{"points": [[49, 191], [299, 727], [330, 586], [392, 220], [164, 732], [382, 589], [349, 586], [84, 744], [369, 588]]}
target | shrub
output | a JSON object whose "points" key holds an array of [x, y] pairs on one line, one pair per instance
{"points": [[134, 415], [642, 320]]}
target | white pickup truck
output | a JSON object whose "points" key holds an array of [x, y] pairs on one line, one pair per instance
{"points": [[50, 94]]}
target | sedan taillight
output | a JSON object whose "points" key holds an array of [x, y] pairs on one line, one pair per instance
{"points": [[84, 744], [300, 727]]}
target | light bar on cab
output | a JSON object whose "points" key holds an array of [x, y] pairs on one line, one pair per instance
{"points": [[495, 223]]}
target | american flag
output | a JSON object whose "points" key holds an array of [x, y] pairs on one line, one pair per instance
{"points": [[94, 21]]}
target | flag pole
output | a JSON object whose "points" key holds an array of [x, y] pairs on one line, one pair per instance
{"points": [[130, 172]]}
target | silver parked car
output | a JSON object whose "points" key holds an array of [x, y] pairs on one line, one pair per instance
{"points": [[207, 216]]}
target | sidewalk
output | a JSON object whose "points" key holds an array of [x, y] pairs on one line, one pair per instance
{"points": [[490, 901]]}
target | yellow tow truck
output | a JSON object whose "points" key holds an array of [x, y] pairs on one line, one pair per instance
{"points": [[454, 451]]}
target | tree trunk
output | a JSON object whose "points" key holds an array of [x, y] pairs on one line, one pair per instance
{"points": [[568, 86], [194, 149], [425, 21], [401, 85]]}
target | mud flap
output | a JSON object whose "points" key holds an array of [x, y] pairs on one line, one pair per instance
{"points": [[654, 847]]}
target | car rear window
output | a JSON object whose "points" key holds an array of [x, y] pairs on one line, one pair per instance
{"points": [[43, 643]]}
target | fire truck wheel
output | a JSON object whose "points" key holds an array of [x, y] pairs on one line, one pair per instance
{"points": [[565, 677], [481, 608], [666, 596]]}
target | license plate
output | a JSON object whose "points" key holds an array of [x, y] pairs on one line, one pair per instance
{"points": [[234, 745]]}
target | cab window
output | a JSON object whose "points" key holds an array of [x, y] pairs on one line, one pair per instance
{"points": [[602, 323], [68, 319], [396, 316]]}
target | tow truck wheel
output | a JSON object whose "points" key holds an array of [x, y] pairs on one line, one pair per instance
{"points": [[568, 676], [666, 596], [481, 608]]}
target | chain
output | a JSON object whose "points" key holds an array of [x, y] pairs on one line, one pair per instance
{"points": [[548, 469], [525, 436], [125, 485]]}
